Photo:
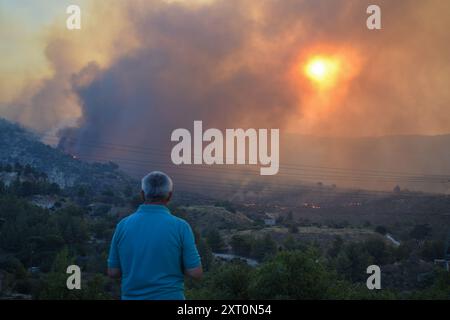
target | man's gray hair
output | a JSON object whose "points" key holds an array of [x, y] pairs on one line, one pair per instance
{"points": [[156, 186]]}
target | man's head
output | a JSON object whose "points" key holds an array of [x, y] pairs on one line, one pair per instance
{"points": [[157, 187]]}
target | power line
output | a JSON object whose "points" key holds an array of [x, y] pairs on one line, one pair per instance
{"points": [[137, 149], [204, 182], [248, 171]]}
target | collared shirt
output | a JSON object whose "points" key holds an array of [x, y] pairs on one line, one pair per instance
{"points": [[152, 248]]}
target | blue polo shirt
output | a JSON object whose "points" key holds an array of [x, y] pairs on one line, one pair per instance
{"points": [[152, 248]]}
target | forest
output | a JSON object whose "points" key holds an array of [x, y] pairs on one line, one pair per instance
{"points": [[38, 243]]}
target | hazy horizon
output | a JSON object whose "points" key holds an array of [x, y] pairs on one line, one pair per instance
{"points": [[137, 70]]}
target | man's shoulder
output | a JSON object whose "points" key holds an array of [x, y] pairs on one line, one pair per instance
{"points": [[180, 221], [124, 220]]}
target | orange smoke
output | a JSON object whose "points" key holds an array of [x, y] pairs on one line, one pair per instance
{"points": [[322, 75]]}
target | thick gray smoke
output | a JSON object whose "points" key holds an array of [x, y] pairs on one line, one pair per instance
{"points": [[229, 63], [193, 64]]}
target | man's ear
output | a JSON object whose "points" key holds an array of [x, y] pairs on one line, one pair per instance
{"points": [[170, 196], [142, 196]]}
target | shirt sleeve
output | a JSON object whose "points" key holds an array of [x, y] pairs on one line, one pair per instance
{"points": [[191, 258], [113, 258]]}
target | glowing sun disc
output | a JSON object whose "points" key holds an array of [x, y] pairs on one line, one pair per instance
{"points": [[317, 69], [321, 70]]}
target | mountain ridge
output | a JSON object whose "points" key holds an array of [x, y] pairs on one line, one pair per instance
{"points": [[19, 145]]}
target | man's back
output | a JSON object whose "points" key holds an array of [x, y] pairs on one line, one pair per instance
{"points": [[153, 248]]}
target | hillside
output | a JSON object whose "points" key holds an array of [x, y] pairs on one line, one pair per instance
{"points": [[373, 162], [214, 217], [17, 145]]}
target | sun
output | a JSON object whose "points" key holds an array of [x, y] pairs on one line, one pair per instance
{"points": [[317, 69], [322, 70]]}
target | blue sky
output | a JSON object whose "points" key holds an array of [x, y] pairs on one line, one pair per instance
{"points": [[35, 13], [23, 28]]}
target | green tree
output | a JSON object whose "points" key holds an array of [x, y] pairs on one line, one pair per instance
{"points": [[231, 281], [292, 275], [215, 240], [379, 251], [95, 288], [293, 228], [289, 243], [336, 247], [439, 290], [381, 230], [242, 245], [432, 249], [264, 247], [352, 262], [205, 253], [54, 284], [420, 231]]}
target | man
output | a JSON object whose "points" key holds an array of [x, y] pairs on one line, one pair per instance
{"points": [[152, 250]]}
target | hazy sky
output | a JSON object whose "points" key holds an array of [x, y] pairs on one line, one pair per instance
{"points": [[158, 65]]}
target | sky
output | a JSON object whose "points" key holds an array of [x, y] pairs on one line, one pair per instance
{"points": [[139, 69], [389, 81]]}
